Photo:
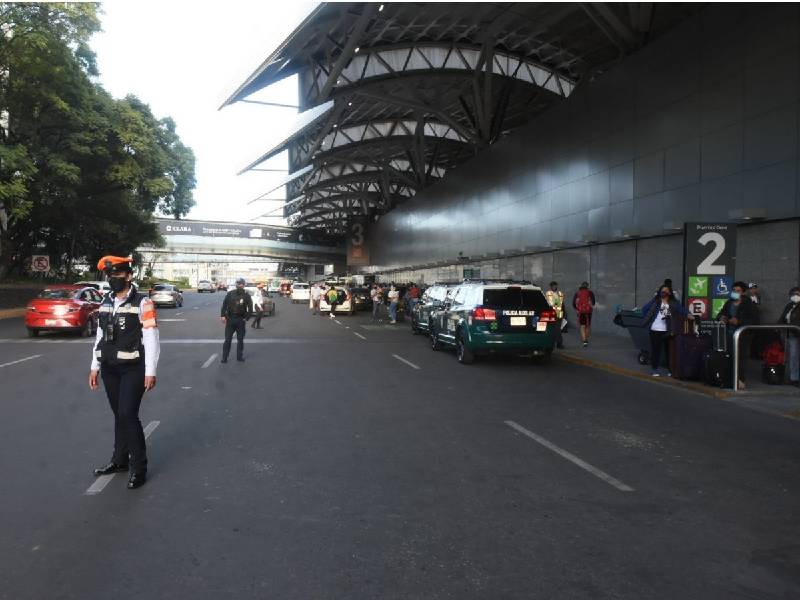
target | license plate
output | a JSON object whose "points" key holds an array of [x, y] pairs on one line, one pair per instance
{"points": [[541, 326], [51, 322], [519, 321]]}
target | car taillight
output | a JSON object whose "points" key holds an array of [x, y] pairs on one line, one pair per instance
{"points": [[548, 316], [484, 314]]}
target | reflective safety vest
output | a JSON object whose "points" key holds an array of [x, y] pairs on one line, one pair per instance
{"points": [[121, 343], [556, 301]]}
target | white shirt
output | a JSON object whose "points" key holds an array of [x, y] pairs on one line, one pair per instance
{"points": [[150, 338], [393, 295], [316, 293], [660, 322]]}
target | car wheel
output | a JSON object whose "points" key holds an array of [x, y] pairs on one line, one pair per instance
{"points": [[435, 343], [465, 355], [33, 333]]}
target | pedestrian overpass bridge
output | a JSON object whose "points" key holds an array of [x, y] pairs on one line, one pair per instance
{"points": [[245, 240]]}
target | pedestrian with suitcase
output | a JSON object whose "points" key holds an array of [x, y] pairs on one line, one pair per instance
{"points": [[663, 317], [738, 311], [791, 316]]}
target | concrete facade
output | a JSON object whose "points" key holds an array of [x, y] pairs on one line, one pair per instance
{"points": [[700, 124]]}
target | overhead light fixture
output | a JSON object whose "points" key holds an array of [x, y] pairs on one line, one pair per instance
{"points": [[380, 8], [349, 104], [747, 214], [626, 234], [673, 225], [356, 50]]}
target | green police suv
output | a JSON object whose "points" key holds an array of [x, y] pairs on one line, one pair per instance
{"points": [[432, 300], [494, 317]]}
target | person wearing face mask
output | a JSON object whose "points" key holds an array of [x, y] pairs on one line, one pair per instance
{"points": [[738, 311], [791, 316], [125, 354], [662, 317]]}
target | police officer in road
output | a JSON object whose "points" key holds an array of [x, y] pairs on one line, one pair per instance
{"points": [[236, 310], [125, 354]]}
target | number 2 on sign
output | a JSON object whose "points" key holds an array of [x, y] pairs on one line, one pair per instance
{"points": [[707, 267]]}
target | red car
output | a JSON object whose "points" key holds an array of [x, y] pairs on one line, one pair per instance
{"points": [[64, 308]]}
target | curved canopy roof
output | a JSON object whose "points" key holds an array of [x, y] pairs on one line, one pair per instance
{"points": [[396, 94]]}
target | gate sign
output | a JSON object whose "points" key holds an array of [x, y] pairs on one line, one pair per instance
{"points": [[709, 266], [357, 248], [40, 263]]}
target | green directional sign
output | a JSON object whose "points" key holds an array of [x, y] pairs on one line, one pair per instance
{"points": [[698, 286]]}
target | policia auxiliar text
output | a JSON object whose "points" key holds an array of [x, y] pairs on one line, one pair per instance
{"points": [[125, 354], [237, 307]]}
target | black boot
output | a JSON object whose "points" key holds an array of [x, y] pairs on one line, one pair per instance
{"points": [[137, 480], [110, 468]]}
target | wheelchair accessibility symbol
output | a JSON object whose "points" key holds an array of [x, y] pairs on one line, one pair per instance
{"points": [[722, 287]]}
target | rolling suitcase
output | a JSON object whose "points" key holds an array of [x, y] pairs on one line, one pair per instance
{"points": [[688, 356], [717, 369], [773, 374]]}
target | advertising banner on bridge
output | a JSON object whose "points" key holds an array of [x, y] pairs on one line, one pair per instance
{"points": [[240, 230], [709, 267]]}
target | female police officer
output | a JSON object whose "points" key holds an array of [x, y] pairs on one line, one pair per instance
{"points": [[126, 353]]}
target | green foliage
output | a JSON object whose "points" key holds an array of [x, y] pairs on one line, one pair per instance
{"points": [[81, 173]]}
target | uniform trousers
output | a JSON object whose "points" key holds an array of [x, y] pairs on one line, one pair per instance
{"points": [[125, 387], [234, 325]]}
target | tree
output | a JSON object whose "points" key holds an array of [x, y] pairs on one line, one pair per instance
{"points": [[81, 173]]}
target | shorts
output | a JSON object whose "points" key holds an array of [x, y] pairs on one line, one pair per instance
{"points": [[585, 319]]}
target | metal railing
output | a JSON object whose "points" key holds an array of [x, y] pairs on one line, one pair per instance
{"points": [[738, 333]]}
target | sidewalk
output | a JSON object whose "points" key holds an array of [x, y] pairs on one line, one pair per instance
{"points": [[10, 313], [616, 354]]}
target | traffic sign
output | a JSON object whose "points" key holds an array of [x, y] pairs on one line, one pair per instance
{"points": [[40, 263]]}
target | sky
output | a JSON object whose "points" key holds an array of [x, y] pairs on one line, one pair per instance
{"points": [[184, 59]]}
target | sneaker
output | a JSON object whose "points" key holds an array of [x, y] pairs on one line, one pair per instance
{"points": [[585, 344], [655, 374], [741, 385], [392, 322]]}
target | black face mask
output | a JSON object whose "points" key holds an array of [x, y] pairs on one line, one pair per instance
{"points": [[117, 284]]}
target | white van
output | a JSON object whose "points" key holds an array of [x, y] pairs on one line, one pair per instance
{"points": [[301, 292]]}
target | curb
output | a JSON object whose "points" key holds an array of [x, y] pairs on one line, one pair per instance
{"points": [[666, 381], [10, 313]]}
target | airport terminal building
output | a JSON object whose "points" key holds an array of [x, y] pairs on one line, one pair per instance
{"points": [[556, 141]]}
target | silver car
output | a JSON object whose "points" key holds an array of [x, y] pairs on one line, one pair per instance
{"points": [[165, 294]]}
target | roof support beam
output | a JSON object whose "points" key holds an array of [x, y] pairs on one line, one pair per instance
{"points": [[420, 106], [600, 14], [353, 39]]}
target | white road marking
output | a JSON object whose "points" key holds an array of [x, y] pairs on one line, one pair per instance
{"points": [[337, 321], [178, 314], [209, 361], [359, 335], [171, 320], [196, 307], [571, 457], [408, 362], [16, 362], [101, 482]]}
